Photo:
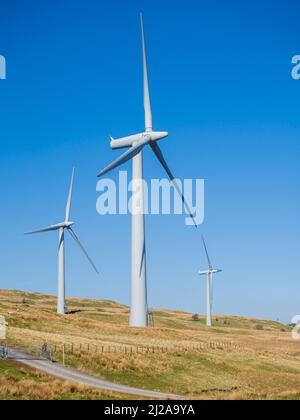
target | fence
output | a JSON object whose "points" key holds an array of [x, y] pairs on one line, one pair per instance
{"points": [[140, 349], [58, 352]]}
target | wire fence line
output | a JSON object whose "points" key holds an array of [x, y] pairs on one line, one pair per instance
{"points": [[58, 352], [74, 349]]}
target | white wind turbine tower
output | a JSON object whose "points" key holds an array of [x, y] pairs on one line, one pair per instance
{"points": [[61, 227], [136, 143], [209, 285]]}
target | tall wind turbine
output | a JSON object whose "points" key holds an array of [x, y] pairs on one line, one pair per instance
{"points": [[136, 143], [61, 227], [209, 285]]}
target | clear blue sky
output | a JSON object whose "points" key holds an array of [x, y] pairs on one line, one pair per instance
{"points": [[221, 85]]}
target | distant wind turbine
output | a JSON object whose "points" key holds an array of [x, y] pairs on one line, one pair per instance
{"points": [[209, 285], [61, 227], [136, 143]]}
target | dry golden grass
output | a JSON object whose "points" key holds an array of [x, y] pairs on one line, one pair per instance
{"points": [[262, 364], [21, 383]]}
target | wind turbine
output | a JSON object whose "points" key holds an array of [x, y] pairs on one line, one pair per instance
{"points": [[209, 285], [136, 143], [61, 227]]}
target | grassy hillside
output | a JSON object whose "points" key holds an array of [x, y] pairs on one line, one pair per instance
{"points": [[21, 383], [238, 358]]}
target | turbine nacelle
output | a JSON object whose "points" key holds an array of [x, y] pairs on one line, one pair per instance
{"points": [[158, 135], [129, 141], [63, 225], [210, 271], [68, 224]]}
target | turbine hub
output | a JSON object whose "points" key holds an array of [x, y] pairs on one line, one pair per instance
{"points": [[69, 224]]}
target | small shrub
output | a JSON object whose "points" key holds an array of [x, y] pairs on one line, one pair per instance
{"points": [[259, 327], [196, 317]]}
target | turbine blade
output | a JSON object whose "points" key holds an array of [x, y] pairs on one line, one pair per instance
{"points": [[147, 102], [131, 153], [160, 157], [74, 236], [206, 251], [46, 229], [68, 208]]}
